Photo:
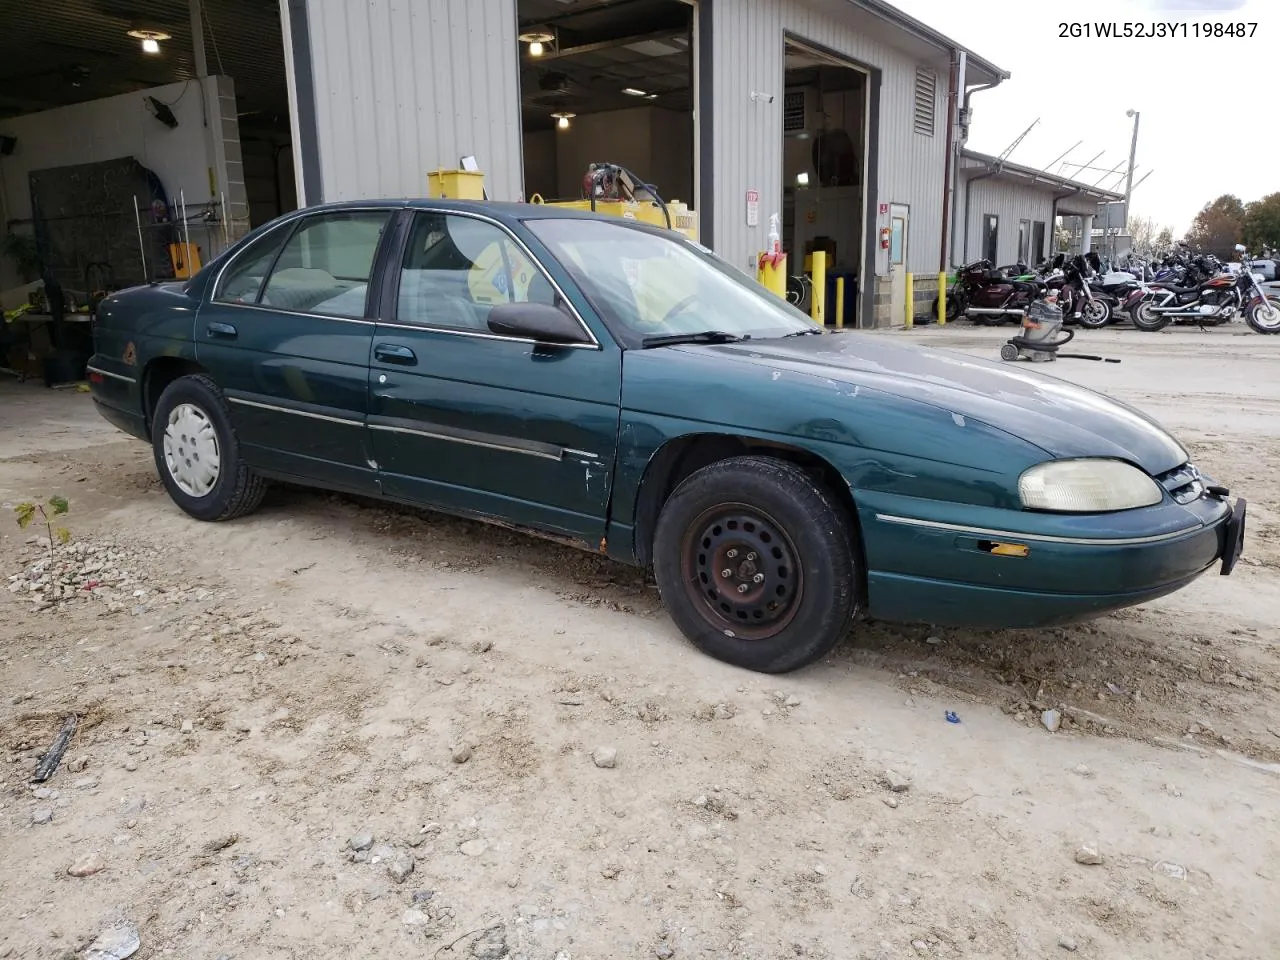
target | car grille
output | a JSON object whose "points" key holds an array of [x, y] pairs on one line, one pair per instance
{"points": [[1184, 483]]}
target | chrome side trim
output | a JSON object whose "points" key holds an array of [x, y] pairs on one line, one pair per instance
{"points": [[584, 454], [423, 328], [505, 448], [1037, 537], [295, 313], [297, 413], [113, 376]]}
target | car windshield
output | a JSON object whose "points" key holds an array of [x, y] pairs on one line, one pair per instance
{"points": [[651, 284]]}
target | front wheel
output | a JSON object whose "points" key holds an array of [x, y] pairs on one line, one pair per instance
{"points": [[757, 564], [1095, 313], [1264, 316], [197, 453], [1146, 318]]}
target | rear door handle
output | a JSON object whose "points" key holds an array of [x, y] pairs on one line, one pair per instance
{"points": [[224, 330], [394, 353]]}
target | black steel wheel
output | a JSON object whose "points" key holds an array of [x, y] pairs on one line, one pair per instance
{"points": [[757, 564]]}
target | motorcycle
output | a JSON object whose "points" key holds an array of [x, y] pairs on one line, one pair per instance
{"points": [[1212, 301], [987, 295], [1082, 299]]}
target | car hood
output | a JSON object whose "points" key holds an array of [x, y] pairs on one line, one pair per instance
{"points": [[1060, 418]]}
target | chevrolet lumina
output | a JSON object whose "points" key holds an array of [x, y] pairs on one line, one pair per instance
{"points": [[620, 388]]}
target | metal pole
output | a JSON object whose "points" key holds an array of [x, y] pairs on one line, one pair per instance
{"points": [[1062, 156], [197, 38], [142, 250], [1133, 152]]}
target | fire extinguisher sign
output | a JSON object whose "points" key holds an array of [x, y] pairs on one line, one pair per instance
{"points": [[753, 208]]}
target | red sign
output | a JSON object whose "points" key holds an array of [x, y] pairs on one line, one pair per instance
{"points": [[884, 208]]}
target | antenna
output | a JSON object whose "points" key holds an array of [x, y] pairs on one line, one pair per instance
{"points": [[1010, 148], [1063, 155], [1109, 173], [1085, 165]]}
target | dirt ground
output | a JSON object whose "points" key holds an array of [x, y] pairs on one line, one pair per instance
{"points": [[337, 729]]}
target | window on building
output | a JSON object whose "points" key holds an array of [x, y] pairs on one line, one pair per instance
{"points": [[325, 266], [1037, 241], [991, 237], [926, 101], [456, 269], [1024, 240]]}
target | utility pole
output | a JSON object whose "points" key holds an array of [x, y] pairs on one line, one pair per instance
{"points": [[1133, 152]]}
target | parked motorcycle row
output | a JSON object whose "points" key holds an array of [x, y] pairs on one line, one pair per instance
{"points": [[1183, 288]]}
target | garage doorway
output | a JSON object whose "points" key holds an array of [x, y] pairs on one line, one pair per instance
{"points": [[608, 82], [824, 168]]}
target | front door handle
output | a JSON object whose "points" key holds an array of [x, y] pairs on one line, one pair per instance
{"points": [[394, 353], [224, 330]]}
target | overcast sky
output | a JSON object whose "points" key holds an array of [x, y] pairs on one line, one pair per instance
{"points": [[1187, 91]]}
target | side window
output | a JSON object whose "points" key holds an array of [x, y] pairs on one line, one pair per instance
{"points": [[456, 268], [242, 281], [325, 266]]}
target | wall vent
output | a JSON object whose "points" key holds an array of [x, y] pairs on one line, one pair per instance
{"points": [[926, 101]]}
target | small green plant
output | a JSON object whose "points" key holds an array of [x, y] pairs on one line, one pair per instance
{"points": [[56, 507]]}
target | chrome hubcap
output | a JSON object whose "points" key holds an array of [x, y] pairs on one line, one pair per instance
{"points": [[191, 451], [1267, 314]]}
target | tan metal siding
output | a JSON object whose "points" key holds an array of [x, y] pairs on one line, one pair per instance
{"points": [[404, 86], [748, 57], [1011, 202]]}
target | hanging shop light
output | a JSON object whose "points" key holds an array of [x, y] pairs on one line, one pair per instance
{"points": [[150, 39], [537, 41], [562, 119]]}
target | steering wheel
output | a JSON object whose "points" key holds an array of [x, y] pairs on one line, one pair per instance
{"points": [[680, 307]]}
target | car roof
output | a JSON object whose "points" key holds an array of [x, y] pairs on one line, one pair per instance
{"points": [[501, 209]]}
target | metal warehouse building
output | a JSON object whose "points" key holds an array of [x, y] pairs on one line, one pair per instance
{"points": [[135, 128], [833, 114]]}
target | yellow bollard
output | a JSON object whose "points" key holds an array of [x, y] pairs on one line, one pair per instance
{"points": [[772, 273], [910, 296], [942, 298], [818, 307], [840, 302]]}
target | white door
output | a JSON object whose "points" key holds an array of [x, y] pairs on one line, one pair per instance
{"points": [[899, 224]]}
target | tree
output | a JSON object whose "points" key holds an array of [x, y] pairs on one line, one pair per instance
{"points": [[1218, 227], [1262, 223], [1148, 240]]}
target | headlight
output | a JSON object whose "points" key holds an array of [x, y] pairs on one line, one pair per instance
{"points": [[1087, 486]]}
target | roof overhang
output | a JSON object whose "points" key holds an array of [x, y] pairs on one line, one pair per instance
{"points": [[1075, 196], [978, 71]]}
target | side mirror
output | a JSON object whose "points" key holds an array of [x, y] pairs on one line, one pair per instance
{"points": [[537, 322]]}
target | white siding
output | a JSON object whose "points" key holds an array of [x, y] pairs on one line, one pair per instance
{"points": [[1010, 202], [405, 86], [748, 37]]}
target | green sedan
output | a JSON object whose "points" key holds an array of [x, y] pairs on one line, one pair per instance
{"points": [[619, 388]]}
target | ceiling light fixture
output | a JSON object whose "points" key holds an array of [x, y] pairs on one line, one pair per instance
{"points": [[150, 39], [802, 179], [537, 41], [562, 119], [633, 92]]}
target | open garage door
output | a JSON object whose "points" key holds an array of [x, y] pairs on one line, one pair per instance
{"points": [[607, 82], [824, 185]]}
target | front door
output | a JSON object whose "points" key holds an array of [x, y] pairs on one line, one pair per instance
{"points": [[899, 222], [286, 336], [483, 424]]}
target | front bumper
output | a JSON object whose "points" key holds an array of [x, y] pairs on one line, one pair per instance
{"points": [[925, 569]]}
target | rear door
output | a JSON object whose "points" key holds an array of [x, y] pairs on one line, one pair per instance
{"points": [[286, 335], [485, 424]]}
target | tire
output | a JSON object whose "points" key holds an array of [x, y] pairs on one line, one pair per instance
{"points": [[1144, 318], [192, 418], [1008, 351], [1264, 316], [1095, 314], [809, 572]]}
